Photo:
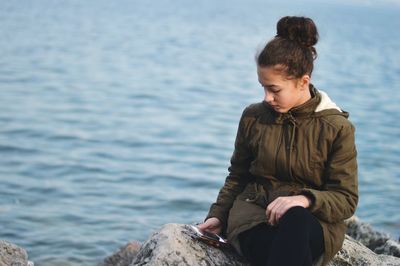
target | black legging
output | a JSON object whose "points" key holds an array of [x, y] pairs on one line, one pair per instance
{"points": [[297, 240]]}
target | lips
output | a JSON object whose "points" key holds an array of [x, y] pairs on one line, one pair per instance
{"points": [[274, 106]]}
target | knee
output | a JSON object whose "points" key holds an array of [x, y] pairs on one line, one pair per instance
{"points": [[297, 214]]}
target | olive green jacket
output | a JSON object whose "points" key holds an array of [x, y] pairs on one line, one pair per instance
{"points": [[309, 150]]}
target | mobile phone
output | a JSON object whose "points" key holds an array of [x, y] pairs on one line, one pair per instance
{"points": [[208, 237]]}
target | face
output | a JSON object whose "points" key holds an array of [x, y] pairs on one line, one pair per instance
{"points": [[281, 92]]}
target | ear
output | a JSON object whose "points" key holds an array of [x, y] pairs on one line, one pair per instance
{"points": [[304, 82]]}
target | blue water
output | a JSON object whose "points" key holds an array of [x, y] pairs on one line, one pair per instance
{"points": [[117, 117]]}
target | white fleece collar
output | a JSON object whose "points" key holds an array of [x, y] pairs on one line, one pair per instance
{"points": [[326, 103]]}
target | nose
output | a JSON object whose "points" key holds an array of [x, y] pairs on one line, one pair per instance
{"points": [[269, 98]]}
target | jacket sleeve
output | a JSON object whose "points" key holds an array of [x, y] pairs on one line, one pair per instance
{"points": [[238, 176], [339, 196]]}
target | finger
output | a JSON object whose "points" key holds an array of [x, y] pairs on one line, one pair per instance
{"points": [[273, 217], [270, 207], [212, 229], [284, 208], [273, 210], [204, 225], [278, 210], [281, 211], [201, 226]]}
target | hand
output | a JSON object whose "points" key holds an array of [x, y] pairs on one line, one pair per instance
{"points": [[212, 225], [280, 205]]}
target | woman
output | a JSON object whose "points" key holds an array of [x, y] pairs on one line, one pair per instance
{"points": [[293, 174]]}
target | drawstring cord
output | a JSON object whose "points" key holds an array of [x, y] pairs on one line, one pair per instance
{"points": [[291, 122]]}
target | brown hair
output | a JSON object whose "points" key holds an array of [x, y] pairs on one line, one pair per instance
{"points": [[292, 50]]}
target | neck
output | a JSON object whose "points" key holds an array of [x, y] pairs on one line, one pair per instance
{"points": [[305, 97]]}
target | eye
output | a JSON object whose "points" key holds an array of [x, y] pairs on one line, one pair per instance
{"points": [[271, 89], [274, 89]]}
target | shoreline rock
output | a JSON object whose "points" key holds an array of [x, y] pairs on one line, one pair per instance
{"points": [[13, 255], [378, 242], [124, 256], [174, 245], [355, 253]]}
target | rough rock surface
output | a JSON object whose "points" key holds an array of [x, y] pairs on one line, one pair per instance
{"points": [[353, 253], [12, 255], [124, 256], [380, 243], [174, 245]]}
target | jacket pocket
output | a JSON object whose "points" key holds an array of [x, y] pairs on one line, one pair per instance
{"points": [[254, 193]]}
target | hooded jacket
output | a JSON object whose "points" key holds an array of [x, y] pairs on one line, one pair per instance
{"points": [[309, 150]]}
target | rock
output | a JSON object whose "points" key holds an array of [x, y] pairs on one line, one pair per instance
{"points": [[380, 243], [391, 247], [354, 253], [124, 256], [12, 255], [174, 245]]}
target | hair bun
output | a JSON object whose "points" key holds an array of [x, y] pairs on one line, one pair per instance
{"points": [[301, 30]]}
